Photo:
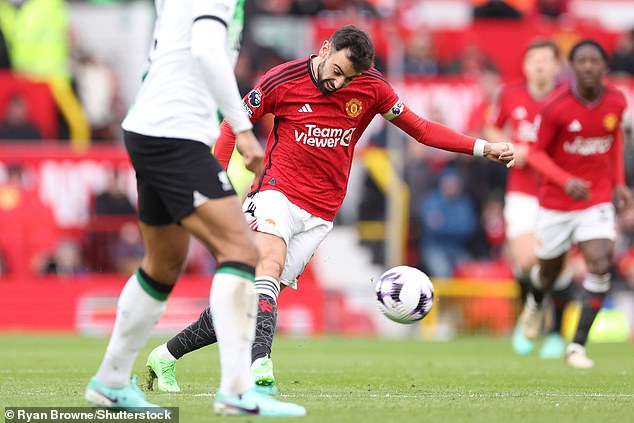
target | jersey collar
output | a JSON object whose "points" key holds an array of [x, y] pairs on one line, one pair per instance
{"points": [[590, 104], [313, 77]]}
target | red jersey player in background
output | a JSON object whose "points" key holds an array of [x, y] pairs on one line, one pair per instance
{"points": [[322, 104], [517, 113], [579, 151]]}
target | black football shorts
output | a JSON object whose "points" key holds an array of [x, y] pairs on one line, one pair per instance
{"points": [[174, 176]]}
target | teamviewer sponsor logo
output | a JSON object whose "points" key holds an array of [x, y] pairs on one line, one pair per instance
{"points": [[324, 137], [588, 146]]}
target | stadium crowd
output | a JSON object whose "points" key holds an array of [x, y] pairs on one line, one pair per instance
{"points": [[453, 187]]}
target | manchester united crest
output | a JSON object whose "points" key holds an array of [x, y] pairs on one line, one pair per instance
{"points": [[354, 107], [609, 121]]}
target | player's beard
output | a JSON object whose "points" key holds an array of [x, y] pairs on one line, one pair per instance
{"points": [[321, 82]]}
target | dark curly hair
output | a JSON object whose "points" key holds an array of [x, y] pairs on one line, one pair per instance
{"points": [[588, 42], [359, 46]]}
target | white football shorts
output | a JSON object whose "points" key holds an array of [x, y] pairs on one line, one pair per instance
{"points": [[520, 214], [558, 230], [272, 213]]}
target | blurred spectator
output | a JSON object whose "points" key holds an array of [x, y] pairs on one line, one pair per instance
{"points": [[497, 9], [471, 63], [489, 81], [37, 36], [36, 32], [113, 200], [423, 164], [112, 244], [448, 221], [16, 124], [128, 249], [492, 222], [419, 56], [623, 58], [350, 8], [29, 230], [5, 63], [552, 9], [274, 7], [306, 7], [66, 260], [97, 88]]}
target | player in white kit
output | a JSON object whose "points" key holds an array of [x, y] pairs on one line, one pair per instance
{"points": [[183, 191]]}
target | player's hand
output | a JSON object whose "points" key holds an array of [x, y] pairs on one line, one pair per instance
{"points": [[623, 196], [577, 188], [521, 154], [251, 151], [500, 152]]}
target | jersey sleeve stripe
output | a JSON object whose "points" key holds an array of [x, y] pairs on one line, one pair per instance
{"points": [[276, 124], [287, 71], [281, 81], [376, 76], [212, 17], [374, 72]]}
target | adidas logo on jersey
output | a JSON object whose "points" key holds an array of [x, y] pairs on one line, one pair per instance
{"points": [[305, 109], [574, 126]]}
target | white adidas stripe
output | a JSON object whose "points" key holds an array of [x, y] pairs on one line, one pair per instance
{"points": [[305, 108]]}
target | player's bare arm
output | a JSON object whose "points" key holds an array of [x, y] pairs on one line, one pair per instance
{"points": [[623, 196]]}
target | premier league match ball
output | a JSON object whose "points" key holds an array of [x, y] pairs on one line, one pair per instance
{"points": [[404, 294]]}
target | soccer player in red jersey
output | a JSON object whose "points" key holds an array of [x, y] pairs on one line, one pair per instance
{"points": [[322, 104], [579, 151], [517, 111]]}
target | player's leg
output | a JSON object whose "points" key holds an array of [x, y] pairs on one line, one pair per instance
{"points": [[161, 363], [140, 305], [595, 235], [543, 277], [269, 270], [520, 216], [597, 254], [286, 249], [563, 291], [522, 253], [520, 213], [553, 238], [270, 215], [142, 300], [233, 305], [214, 223]]}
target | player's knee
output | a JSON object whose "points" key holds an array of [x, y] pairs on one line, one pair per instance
{"points": [[597, 283], [525, 264], [548, 275], [166, 269], [599, 265], [243, 252], [270, 267]]}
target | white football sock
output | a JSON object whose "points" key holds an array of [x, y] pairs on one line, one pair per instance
{"points": [[164, 353], [233, 308], [137, 314]]}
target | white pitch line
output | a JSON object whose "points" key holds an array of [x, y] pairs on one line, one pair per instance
{"points": [[447, 395]]}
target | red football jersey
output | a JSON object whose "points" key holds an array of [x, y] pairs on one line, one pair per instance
{"points": [[584, 140], [515, 105], [309, 152]]}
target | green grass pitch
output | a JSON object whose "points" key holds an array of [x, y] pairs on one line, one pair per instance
{"points": [[471, 379]]}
